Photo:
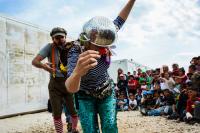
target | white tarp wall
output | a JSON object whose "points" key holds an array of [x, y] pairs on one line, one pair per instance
{"points": [[23, 88], [126, 65], [115, 65]]}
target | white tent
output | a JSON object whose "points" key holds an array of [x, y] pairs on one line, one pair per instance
{"points": [[126, 65]]}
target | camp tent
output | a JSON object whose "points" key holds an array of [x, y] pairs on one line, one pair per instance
{"points": [[126, 65]]}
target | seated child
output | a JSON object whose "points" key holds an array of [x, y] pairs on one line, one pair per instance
{"points": [[122, 103], [166, 104], [132, 102], [192, 101], [147, 102], [138, 97]]}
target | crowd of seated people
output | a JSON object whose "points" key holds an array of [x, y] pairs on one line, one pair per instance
{"points": [[174, 94]]}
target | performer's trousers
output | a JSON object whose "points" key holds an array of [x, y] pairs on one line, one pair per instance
{"points": [[58, 92], [90, 107]]}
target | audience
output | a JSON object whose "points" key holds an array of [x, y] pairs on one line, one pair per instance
{"points": [[161, 92]]}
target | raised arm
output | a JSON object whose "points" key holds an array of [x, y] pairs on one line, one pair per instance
{"points": [[123, 15], [126, 10]]}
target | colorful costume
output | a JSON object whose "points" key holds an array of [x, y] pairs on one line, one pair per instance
{"points": [[96, 94], [57, 89]]}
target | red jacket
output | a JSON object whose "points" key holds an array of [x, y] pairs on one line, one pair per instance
{"points": [[132, 84], [191, 104]]}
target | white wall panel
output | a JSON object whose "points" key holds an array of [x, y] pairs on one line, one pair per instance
{"points": [[3, 64], [22, 87]]}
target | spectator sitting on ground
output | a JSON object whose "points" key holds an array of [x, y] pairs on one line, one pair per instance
{"points": [[157, 98], [168, 103], [182, 101], [138, 97], [156, 110], [147, 102], [196, 82], [132, 102], [122, 103], [193, 99]]}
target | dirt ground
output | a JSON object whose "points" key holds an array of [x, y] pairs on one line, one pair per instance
{"points": [[128, 122]]}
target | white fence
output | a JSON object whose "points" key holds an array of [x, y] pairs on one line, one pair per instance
{"points": [[23, 88]]}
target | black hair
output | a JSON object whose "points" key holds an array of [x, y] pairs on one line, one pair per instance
{"points": [[193, 67]]}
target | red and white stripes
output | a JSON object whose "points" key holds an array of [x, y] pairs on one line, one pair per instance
{"points": [[58, 125]]}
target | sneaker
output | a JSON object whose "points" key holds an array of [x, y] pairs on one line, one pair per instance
{"points": [[143, 111]]}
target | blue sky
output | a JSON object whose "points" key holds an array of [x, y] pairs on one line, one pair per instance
{"points": [[157, 32]]}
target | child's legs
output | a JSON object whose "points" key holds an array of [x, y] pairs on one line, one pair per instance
{"points": [[154, 112], [168, 109], [125, 108], [107, 113]]}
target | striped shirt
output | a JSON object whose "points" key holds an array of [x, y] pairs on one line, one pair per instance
{"points": [[99, 74]]}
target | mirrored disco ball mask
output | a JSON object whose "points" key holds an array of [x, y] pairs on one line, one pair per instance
{"points": [[100, 31]]}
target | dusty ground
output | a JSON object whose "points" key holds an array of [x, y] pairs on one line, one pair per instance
{"points": [[128, 122]]}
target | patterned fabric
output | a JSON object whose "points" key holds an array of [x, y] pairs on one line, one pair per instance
{"points": [[94, 77], [89, 107], [101, 92]]}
